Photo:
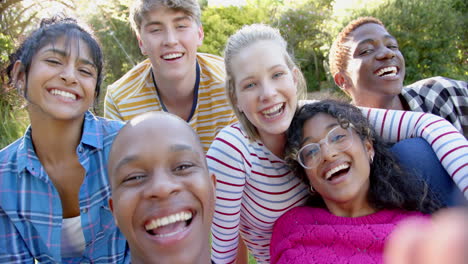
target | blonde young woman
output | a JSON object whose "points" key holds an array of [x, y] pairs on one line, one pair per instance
{"points": [[254, 185]]}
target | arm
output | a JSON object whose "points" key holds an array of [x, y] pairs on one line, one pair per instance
{"points": [[450, 146], [226, 161], [110, 108]]}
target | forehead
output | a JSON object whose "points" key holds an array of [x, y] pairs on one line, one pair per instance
{"points": [[69, 45], [162, 14], [368, 31], [319, 124], [258, 57]]}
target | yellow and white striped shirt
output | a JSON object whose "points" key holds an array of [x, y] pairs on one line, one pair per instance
{"points": [[135, 93]]}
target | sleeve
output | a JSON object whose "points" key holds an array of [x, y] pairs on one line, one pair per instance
{"points": [[227, 162], [13, 249], [279, 239], [110, 108], [449, 145]]}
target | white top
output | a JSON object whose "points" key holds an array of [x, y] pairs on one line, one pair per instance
{"points": [[73, 241]]}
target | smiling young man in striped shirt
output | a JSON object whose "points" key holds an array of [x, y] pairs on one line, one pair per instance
{"points": [[174, 78]]}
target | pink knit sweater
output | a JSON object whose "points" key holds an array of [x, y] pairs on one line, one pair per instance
{"points": [[314, 235]]}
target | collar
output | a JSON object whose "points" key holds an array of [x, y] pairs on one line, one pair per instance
{"points": [[91, 138]]}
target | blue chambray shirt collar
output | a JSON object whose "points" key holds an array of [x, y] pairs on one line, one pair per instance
{"points": [[90, 138]]}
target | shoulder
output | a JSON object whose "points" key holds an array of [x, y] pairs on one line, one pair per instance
{"points": [[211, 64], [134, 76], [9, 153], [101, 127], [439, 84]]}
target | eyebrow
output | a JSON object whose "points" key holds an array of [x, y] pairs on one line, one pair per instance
{"points": [[329, 127], [177, 19], [370, 40], [174, 148], [64, 54]]}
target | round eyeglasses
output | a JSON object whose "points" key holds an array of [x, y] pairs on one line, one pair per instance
{"points": [[340, 139]]}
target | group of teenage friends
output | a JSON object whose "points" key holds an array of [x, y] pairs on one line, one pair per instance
{"points": [[201, 159]]}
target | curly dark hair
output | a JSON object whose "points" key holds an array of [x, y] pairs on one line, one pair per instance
{"points": [[391, 187], [49, 31]]}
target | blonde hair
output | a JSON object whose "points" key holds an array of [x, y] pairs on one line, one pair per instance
{"points": [[141, 7], [243, 38], [339, 52]]}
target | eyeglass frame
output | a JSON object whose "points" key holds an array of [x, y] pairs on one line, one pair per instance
{"points": [[325, 140]]}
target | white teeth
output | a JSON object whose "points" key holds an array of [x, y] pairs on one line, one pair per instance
{"points": [[172, 56], [273, 109], [337, 168], [170, 219], [392, 71], [63, 93]]}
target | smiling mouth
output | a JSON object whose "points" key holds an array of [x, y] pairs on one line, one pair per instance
{"points": [[387, 71], [172, 56], [63, 94], [274, 111], [169, 225], [337, 171]]}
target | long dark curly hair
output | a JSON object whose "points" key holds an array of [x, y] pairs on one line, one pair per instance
{"points": [[391, 187]]}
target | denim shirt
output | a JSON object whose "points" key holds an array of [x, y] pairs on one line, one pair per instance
{"points": [[30, 205]]}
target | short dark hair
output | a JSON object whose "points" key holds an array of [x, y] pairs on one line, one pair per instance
{"points": [[391, 187], [49, 31]]}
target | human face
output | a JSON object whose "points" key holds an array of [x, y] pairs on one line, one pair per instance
{"points": [[340, 177], [170, 39], [61, 82], [162, 194], [376, 66], [265, 87]]}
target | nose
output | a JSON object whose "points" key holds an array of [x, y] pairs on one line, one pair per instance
{"points": [[268, 91], [161, 185], [170, 38], [328, 152], [68, 74], [385, 53]]}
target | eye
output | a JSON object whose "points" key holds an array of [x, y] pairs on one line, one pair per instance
{"points": [[311, 151], [278, 75], [249, 85], [184, 166], [181, 26], [394, 47], [337, 137], [86, 71], [366, 51], [53, 61], [134, 178]]}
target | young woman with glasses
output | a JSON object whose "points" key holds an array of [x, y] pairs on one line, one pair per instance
{"points": [[358, 192]]}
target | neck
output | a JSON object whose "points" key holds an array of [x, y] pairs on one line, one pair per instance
{"points": [[350, 208], [175, 92], [383, 102], [275, 143], [54, 140]]}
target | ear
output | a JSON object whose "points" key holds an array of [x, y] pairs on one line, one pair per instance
{"points": [[213, 179], [111, 207], [296, 74], [201, 36], [343, 81], [141, 45], [369, 147], [18, 75]]}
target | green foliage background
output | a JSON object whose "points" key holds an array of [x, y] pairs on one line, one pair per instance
{"points": [[432, 36]]}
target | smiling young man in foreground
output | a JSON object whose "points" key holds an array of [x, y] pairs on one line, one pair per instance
{"points": [[162, 194]]}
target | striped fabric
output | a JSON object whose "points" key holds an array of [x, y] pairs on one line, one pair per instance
{"points": [[440, 96], [254, 187], [30, 208], [135, 93]]}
